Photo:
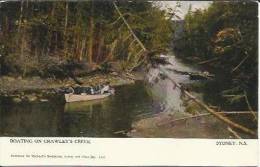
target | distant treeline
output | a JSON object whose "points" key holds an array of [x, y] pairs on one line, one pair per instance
{"points": [[224, 37], [37, 35]]}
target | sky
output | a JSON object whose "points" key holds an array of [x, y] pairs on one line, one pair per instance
{"points": [[185, 5]]}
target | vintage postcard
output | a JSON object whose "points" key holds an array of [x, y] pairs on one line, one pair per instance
{"points": [[129, 83]]}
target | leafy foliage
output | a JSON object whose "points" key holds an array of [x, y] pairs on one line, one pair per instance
{"points": [[224, 36], [81, 31]]}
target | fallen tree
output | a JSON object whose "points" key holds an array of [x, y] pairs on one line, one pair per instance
{"points": [[210, 110]]}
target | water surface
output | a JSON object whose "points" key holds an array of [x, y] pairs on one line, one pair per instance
{"points": [[109, 117], [115, 115]]}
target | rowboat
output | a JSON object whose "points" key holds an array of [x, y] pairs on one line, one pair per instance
{"points": [[84, 97]]}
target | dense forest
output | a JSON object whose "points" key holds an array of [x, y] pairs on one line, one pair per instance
{"points": [[39, 38], [224, 38]]}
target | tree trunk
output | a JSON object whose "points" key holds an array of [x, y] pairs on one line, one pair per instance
{"points": [[65, 28], [56, 43], [6, 27], [83, 44], [20, 39], [100, 44], [50, 32], [20, 18], [91, 34], [76, 42], [110, 55]]}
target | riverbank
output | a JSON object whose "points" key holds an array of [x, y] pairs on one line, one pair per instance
{"points": [[174, 125], [162, 125], [36, 88]]}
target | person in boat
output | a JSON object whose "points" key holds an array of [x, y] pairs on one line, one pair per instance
{"points": [[97, 89], [86, 90], [92, 91], [105, 89], [70, 90], [79, 90]]}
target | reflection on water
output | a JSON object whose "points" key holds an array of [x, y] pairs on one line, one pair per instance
{"points": [[86, 106], [164, 90], [177, 105], [93, 119]]}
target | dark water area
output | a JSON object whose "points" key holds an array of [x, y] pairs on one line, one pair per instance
{"points": [[109, 117], [114, 116]]}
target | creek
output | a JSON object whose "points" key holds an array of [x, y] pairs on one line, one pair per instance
{"points": [[115, 115]]}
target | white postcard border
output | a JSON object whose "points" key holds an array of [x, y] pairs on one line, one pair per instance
{"points": [[129, 151]]}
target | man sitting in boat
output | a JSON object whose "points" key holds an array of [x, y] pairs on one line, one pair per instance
{"points": [[92, 90], [105, 89]]}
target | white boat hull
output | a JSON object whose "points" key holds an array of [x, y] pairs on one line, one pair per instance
{"points": [[74, 98]]}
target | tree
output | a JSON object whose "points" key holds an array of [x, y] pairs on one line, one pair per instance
{"points": [[224, 37], [87, 32]]}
